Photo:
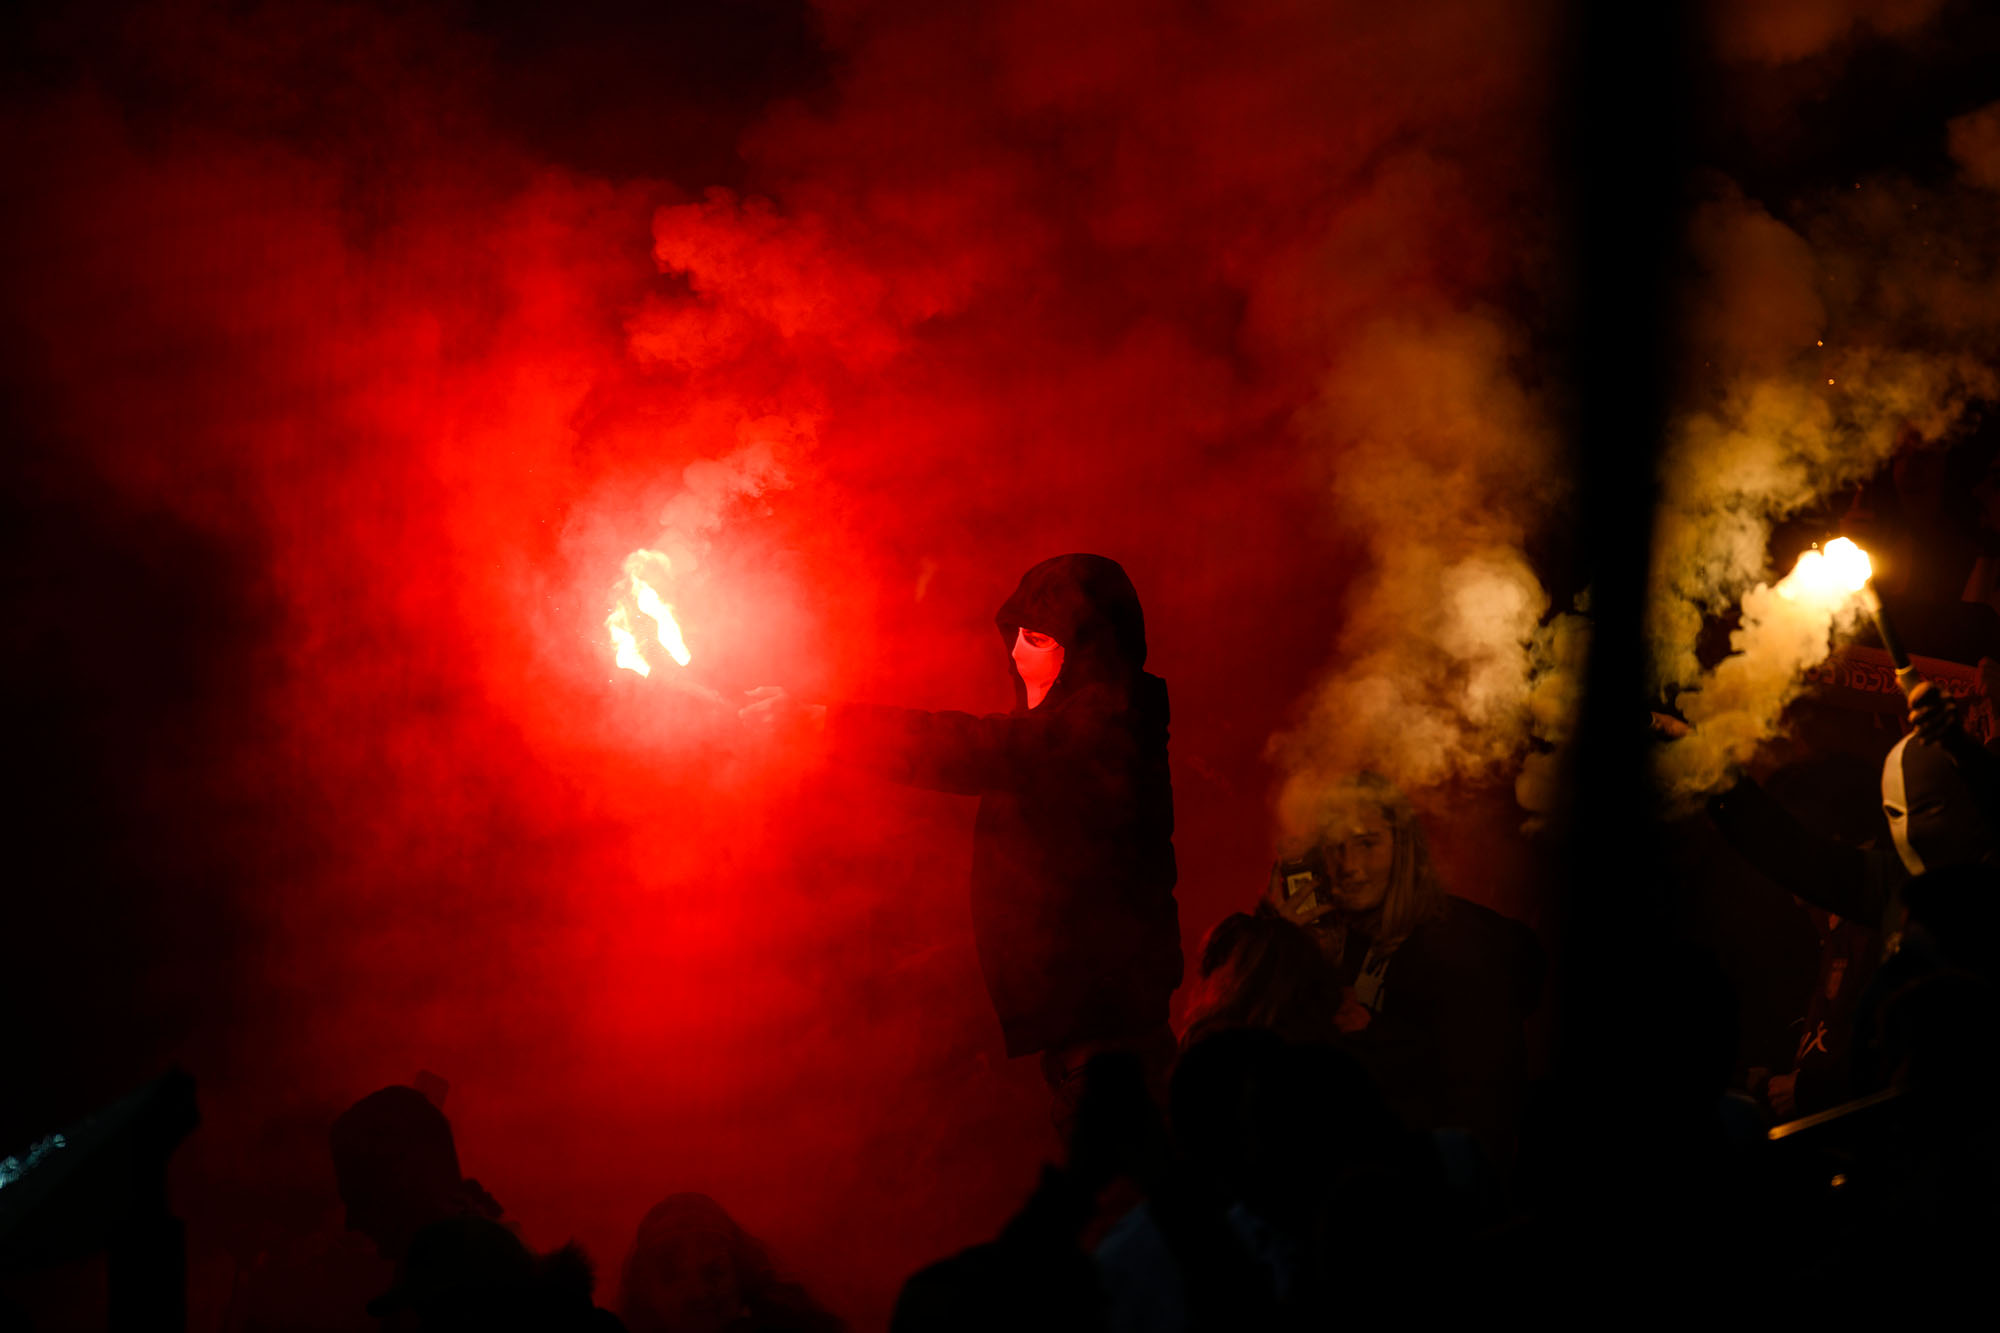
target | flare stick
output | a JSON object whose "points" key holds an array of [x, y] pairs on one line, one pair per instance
{"points": [[1907, 676]]}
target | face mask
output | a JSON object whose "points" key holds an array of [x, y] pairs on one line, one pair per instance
{"points": [[1039, 659], [1932, 814]]}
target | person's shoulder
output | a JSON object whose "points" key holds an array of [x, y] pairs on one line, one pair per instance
{"points": [[1464, 922], [1465, 914], [1471, 934], [1139, 701]]}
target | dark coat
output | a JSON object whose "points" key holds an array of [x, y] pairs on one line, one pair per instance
{"points": [[1822, 1060], [1072, 860], [1862, 884], [1447, 1042]]}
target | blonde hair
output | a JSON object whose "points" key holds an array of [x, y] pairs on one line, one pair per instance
{"points": [[1415, 893]]}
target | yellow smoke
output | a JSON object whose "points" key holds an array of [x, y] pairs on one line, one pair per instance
{"points": [[1444, 667], [1820, 352]]}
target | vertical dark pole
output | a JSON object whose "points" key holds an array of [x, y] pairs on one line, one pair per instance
{"points": [[1622, 136]]}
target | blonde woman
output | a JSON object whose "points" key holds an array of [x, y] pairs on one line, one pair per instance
{"points": [[1434, 989]]}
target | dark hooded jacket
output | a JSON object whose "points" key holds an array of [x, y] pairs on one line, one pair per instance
{"points": [[1072, 860]]}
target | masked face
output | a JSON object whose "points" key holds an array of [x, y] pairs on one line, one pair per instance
{"points": [[1039, 659], [1931, 812]]}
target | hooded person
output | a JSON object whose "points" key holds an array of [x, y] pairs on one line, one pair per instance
{"points": [[1073, 869], [396, 1165]]}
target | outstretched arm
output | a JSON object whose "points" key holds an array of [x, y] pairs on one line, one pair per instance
{"points": [[1825, 873], [951, 752]]}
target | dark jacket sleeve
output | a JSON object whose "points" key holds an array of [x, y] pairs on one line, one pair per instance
{"points": [[958, 752], [1847, 881]]}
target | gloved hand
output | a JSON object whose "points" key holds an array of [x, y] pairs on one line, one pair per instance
{"points": [[1933, 713]]}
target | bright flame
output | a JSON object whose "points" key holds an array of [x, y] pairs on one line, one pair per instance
{"points": [[643, 569], [1831, 576], [670, 629], [1848, 563], [626, 644]]}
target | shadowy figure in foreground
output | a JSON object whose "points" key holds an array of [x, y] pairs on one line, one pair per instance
{"points": [[1263, 971], [1037, 1272], [396, 1170], [1286, 1194], [694, 1270], [471, 1273], [397, 1167]]}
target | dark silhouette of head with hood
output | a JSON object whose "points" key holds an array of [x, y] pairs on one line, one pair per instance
{"points": [[693, 1269], [1087, 604], [397, 1168]]}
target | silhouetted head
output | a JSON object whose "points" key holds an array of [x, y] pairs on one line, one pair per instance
{"points": [[689, 1268], [1263, 972], [397, 1167], [1086, 604], [694, 1270]]}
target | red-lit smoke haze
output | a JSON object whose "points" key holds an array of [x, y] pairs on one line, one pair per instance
{"points": [[289, 286]]}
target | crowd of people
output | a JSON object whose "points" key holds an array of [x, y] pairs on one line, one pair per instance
{"points": [[1345, 1122], [424, 1247], [1348, 1111]]}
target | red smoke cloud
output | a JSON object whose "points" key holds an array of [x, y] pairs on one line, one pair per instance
{"points": [[1012, 280]]}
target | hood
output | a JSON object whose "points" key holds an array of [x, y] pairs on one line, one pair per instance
{"points": [[1932, 813], [1088, 605]]}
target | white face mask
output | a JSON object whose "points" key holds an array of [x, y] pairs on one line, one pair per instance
{"points": [[1039, 659], [1896, 806], [1933, 815]]}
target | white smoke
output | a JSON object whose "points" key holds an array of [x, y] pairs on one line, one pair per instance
{"points": [[1447, 665], [1823, 351]]}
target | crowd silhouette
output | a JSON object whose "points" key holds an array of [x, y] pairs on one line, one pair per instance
{"points": [[1351, 1129], [1347, 1122]]}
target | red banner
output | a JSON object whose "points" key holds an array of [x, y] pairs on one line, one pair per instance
{"points": [[1855, 676]]}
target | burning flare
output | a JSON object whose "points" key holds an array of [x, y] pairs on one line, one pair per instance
{"points": [[1829, 576], [670, 630], [643, 569], [1785, 630], [627, 645]]}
